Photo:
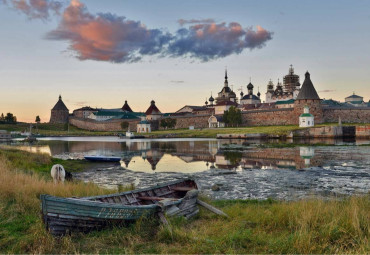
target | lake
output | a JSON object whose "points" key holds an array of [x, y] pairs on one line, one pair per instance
{"points": [[225, 169]]}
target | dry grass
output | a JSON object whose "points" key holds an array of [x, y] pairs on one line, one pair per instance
{"points": [[307, 226]]}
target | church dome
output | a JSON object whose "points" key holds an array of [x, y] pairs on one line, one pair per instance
{"points": [[250, 86], [211, 99]]}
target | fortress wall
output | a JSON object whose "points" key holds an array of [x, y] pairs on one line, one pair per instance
{"points": [[361, 115], [363, 131], [269, 117], [93, 125], [196, 121]]}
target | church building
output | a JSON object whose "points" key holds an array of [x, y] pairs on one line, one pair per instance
{"points": [[283, 92], [226, 94]]}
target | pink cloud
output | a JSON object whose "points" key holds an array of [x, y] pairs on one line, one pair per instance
{"points": [[107, 37], [35, 9]]}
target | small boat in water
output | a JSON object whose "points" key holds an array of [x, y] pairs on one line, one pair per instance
{"points": [[103, 158], [66, 215]]}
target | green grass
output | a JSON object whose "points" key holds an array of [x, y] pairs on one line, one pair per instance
{"points": [[305, 226], [212, 133], [47, 129], [41, 163]]}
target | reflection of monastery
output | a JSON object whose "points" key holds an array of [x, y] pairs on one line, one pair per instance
{"points": [[209, 152], [284, 103]]}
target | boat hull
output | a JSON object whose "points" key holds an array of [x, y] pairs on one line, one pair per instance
{"points": [[65, 215]]}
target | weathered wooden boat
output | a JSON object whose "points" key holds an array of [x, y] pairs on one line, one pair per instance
{"points": [[66, 215], [103, 158]]}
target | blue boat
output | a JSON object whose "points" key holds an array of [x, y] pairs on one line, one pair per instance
{"points": [[103, 158]]}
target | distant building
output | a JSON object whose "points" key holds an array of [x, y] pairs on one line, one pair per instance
{"points": [[59, 113], [216, 122], [226, 94], [153, 113], [250, 98], [223, 106], [106, 114], [308, 97], [84, 112], [355, 100], [286, 91], [306, 119], [143, 126]]}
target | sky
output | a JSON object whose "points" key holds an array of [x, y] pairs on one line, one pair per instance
{"points": [[101, 53]]}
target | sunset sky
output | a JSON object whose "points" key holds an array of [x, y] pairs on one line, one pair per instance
{"points": [[101, 53]]}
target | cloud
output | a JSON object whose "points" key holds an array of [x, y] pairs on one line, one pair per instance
{"points": [[177, 82], [194, 21], [35, 9], [212, 41], [112, 38], [107, 37], [327, 91]]}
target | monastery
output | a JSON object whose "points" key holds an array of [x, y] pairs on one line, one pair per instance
{"points": [[287, 103]]}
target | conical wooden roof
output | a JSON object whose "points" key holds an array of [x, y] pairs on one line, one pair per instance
{"points": [[126, 107], [60, 105], [307, 91]]}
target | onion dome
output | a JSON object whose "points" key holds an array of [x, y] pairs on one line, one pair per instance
{"points": [[270, 85], [241, 94], [259, 94], [211, 99], [206, 103], [250, 86]]}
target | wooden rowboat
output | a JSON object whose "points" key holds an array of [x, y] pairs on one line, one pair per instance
{"points": [[66, 215]]}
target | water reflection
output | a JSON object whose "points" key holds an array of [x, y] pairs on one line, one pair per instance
{"points": [[195, 155]]}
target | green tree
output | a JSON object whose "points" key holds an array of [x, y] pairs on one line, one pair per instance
{"points": [[37, 120], [10, 118], [168, 123], [232, 117], [2, 118], [125, 125]]}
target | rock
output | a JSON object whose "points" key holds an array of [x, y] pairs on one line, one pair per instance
{"points": [[215, 187]]}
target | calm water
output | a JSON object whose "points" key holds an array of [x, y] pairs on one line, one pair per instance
{"points": [[235, 168]]}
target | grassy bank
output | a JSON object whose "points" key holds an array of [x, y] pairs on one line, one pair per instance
{"points": [[40, 163], [212, 133], [47, 129], [307, 226]]}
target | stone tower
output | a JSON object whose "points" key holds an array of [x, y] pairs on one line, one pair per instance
{"points": [[59, 113], [308, 97]]}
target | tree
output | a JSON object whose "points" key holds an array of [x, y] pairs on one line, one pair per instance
{"points": [[2, 118], [37, 120], [124, 125], [10, 118], [168, 123], [232, 117]]}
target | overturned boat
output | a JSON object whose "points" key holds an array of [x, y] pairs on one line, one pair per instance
{"points": [[66, 215]]}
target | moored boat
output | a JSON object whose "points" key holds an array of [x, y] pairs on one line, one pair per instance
{"points": [[66, 215], [102, 158]]}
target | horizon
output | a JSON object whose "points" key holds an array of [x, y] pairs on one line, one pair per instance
{"points": [[88, 66]]}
